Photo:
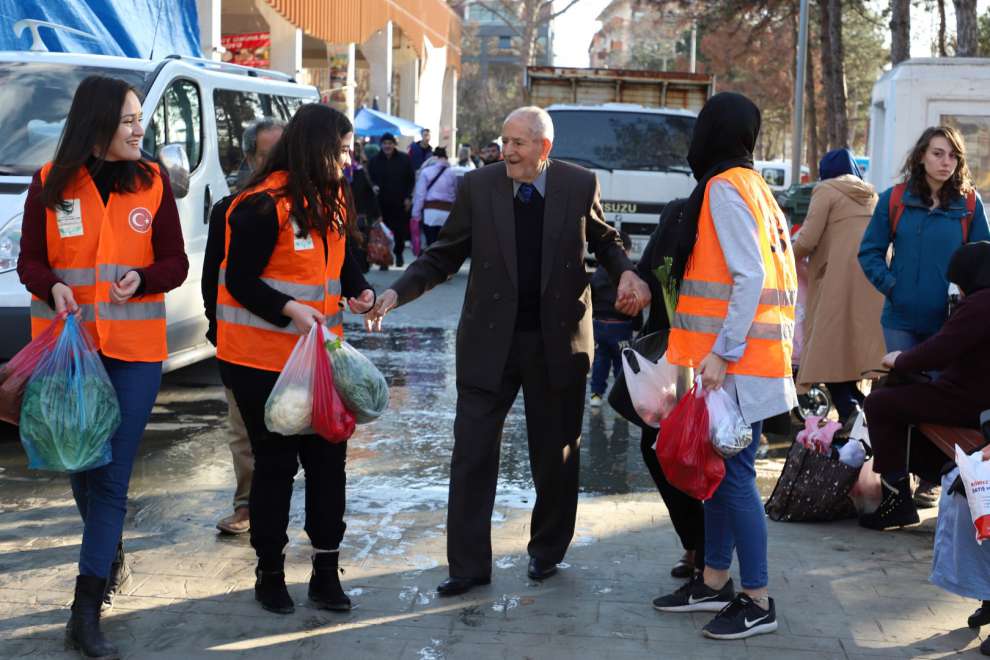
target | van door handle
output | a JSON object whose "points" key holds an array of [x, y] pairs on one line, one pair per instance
{"points": [[207, 204]]}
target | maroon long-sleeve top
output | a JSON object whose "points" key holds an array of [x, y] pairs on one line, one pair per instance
{"points": [[168, 271]]}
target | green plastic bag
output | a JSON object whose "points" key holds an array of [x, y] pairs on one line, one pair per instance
{"points": [[359, 383]]}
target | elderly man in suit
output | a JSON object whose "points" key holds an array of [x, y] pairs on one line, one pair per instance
{"points": [[525, 323]]}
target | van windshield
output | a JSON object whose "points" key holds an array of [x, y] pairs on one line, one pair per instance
{"points": [[34, 101], [643, 141]]}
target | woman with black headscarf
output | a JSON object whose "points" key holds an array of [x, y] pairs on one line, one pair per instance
{"points": [[842, 337], [960, 353], [734, 325]]}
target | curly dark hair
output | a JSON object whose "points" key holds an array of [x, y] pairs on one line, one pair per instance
{"points": [[960, 184]]}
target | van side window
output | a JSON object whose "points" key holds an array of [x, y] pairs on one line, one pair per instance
{"points": [[177, 120], [287, 105], [235, 111]]}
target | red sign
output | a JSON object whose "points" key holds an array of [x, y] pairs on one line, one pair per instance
{"points": [[248, 49]]}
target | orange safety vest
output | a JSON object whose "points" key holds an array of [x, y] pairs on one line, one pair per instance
{"points": [[297, 268], [92, 246], [703, 301]]}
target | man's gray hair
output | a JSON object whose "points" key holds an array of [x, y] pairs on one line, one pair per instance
{"points": [[539, 120], [249, 140]]}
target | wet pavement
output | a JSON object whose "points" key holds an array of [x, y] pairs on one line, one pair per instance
{"points": [[842, 592]]}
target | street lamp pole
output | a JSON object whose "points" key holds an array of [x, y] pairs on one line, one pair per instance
{"points": [[798, 119]]}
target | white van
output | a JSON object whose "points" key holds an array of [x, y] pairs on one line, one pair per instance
{"points": [[777, 174], [638, 153], [194, 114]]}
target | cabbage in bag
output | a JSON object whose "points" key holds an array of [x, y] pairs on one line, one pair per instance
{"points": [[70, 409], [359, 382]]}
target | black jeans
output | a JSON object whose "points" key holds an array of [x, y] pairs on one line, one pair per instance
{"points": [[846, 397], [686, 513], [276, 461]]}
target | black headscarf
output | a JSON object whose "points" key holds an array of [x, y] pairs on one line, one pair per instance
{"points": [[969, 267], [724, 137]]}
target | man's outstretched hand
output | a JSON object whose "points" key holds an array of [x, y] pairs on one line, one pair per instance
{"points": [[633, 294], [386, 303]]}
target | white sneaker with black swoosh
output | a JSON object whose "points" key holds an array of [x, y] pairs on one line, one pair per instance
{"points": [[740, 619], [695, 596]]}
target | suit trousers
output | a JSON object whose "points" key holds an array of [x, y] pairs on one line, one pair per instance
{"points": [[553, 428]]}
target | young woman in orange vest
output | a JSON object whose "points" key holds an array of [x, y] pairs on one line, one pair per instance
{"points": [[102, 239], [734, 324], [286, 268]]}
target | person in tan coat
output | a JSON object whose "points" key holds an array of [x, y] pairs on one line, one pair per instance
{"points": [[842, 333]]}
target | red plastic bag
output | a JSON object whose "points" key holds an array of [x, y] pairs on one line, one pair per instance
{"points": [[686, 455], [14, 375], [331, 419]]}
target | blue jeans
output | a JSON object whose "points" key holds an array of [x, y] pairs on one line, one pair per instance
{"points": [[902, 340], [610, 338], [101, 494], [735, 520]]}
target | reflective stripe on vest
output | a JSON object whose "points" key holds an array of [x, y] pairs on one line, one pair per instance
{"points": [[131, 311], [706, 290], [720, 291], [41, 310], [75, 276], [297, 291], [241, 316]]}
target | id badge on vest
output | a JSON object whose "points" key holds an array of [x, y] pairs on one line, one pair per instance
{"points": [[69, 222], [304, 243]]}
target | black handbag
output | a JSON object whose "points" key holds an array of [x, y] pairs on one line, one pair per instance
{"points": [[812, 488], [651, 346]]}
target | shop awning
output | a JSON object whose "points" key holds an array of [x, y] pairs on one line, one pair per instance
{"points": [[347, 21], [374, 123]]}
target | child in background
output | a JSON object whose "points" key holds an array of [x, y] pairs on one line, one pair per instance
{"points": [[613, 330]]}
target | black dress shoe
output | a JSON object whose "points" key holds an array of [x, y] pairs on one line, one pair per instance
{"points": [[539, 569], [453, 586]]}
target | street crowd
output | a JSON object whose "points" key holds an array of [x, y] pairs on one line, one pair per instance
{"points": [[290, 248]]}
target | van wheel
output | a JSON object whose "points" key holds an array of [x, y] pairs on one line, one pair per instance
{"points": [[816, 402]]}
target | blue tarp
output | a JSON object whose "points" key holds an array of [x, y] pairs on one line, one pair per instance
{"points": [[121, 27], [373, 123]]}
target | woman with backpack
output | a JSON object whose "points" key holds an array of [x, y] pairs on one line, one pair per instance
{"points": [[925, 219]]}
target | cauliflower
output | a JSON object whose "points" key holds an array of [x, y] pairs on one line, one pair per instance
{"points": [[289, 411]]}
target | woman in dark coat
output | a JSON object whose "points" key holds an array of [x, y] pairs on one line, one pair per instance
{"points": [[960, 353]]}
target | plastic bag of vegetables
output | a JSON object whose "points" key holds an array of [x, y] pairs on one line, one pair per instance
{"points": [[359, 382], [289, 408], [70, 409]]}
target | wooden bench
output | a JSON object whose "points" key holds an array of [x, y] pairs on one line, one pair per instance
{"points": [[947, 437]]}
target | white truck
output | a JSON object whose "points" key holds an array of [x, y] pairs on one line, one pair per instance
{"points": [[633, 128], [924, 92]]}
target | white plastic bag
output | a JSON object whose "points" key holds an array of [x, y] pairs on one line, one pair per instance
{"points": [[860, 431], [975, 473], [729, 432], [289, 409], [652, 387], [853, 453]]}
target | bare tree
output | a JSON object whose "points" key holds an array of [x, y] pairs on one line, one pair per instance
{"points": [[526, 18], [942, 51], [967, 35], [832, 55], [900, 30]]}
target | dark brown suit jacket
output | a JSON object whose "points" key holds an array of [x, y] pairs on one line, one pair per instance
{"points": [[482, 226]]}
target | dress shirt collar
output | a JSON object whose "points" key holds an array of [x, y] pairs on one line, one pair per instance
{"points": [[540, 184]]}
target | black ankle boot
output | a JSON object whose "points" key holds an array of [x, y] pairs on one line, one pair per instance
{"points": [[83, 632], [270, 589], [980, 617], [896, 508], [120, 576], [324, 586]]}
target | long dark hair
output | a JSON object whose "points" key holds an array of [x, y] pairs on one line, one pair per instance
{"points": [[309, 150], [92, 122], [959, 184]]}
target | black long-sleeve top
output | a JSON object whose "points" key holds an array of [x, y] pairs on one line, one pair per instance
{"points": [[365, 200], [253, 235]]}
